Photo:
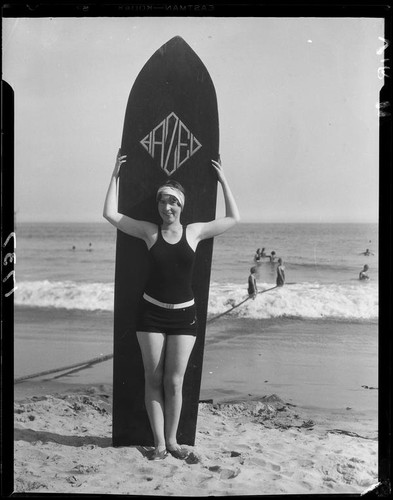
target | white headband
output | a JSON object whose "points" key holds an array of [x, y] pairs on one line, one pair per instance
{"points": [[172, 191]]}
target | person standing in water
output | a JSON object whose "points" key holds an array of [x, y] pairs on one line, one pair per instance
{"points": [[280, 273], [252, 283], [363, 276], [167, 322]]}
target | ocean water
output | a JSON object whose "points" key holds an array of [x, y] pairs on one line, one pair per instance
{"points": [[72, 266], [313, 341]]}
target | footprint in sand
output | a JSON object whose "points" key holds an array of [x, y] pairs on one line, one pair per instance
{"points": [[205, 480], [307, 485], [258, 461], [346, 471], [306, 463], [258, 448], [229, 473], [288, 474], [241, 446], [84, 469], [328, 481], [224, 473], [217, 433], [274, 477], [145, 471]]}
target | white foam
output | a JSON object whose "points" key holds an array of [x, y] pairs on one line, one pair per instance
{"points": [[303, 300], [66, 295]]}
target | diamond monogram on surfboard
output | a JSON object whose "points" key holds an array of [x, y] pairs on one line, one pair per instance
{"points": [[171, 143]]}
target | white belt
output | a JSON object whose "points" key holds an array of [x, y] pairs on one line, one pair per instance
{"points": [[168, 306]]}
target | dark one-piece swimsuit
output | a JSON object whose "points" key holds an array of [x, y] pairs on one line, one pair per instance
{"points": [[168, 302]]}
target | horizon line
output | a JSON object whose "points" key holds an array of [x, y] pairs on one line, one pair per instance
{"points": [[249, 221]]}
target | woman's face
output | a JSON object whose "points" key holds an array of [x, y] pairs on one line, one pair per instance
{"points": [[168, 208]]}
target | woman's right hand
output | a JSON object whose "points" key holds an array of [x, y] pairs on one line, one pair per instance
{"points": [[120, 159], [220, 172]]}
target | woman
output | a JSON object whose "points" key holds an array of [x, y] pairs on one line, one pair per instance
{"points": [[166, 327]]}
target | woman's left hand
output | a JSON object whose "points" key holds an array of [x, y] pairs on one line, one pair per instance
{"points": [[220, 172], [120, 159]]}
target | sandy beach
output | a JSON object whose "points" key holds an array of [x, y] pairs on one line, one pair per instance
{"points": [[252, 447]]}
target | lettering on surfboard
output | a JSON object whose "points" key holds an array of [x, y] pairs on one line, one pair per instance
{"points": [[171, 143]]}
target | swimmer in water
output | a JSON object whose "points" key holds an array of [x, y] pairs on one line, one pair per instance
{"points": [[367, 253], [272, 256], [363, 276]]}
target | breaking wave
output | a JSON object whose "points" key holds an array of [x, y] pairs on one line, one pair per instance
{"points": [[302, 300]]}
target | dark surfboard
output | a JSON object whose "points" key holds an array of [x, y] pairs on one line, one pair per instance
{"points": [[170, 132]]}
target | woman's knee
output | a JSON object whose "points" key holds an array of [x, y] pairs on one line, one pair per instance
{"points": [[154, 380], [173, 384]]}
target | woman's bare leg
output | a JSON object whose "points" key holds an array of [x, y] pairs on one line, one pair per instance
{"points": [[177, 354], [153, 354]]}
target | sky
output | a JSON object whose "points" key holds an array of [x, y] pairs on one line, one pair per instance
{"points": [[297, 101]]}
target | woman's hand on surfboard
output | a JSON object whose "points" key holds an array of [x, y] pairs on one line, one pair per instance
{"points": [[120, 159], [220, 172]]}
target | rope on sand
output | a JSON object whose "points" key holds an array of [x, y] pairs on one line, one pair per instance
{"points": [[84, 364], [87, 364]]}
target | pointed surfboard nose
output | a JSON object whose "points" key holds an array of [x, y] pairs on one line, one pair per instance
{"points": [[174, 43], [176, 39]]}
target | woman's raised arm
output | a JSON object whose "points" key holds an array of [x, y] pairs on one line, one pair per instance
{"points": [[204, 230], [133, 227]]}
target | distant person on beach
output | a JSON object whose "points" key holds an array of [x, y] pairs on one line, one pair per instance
{"points": [[363, 273], [90, 247], [252, 283], [263, 253], [257, 256], [280, 273], [167, 321], [272, 256]]}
